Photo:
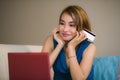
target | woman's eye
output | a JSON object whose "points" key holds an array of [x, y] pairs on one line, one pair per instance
{"points": [[72, 25], [61, 23]]}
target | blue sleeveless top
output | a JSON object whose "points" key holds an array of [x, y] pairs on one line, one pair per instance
{"points": [[61, 71]]}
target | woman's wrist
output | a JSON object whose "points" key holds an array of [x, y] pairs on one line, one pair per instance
{"points": [[70, 47], [73, 56], [60, 46], [70, 52]]}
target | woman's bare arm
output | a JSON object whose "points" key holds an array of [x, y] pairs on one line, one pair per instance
{"points": [[49, 47], [81, 72]]}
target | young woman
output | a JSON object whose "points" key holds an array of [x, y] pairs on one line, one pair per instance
{"points": [[71, 54]]}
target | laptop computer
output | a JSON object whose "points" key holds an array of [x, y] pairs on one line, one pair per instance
{"points": [[28, 66]]}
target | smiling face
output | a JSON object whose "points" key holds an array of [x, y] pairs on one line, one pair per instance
{"points": [[67, 27]]}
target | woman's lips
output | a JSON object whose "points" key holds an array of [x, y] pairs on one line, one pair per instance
{"points": [[65, 35]]}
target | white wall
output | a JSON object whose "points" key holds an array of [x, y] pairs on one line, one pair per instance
{"points": [[30, 21]]}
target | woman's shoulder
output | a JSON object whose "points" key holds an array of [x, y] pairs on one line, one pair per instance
{"points": [[48, 43], [85, 44], [49, 39], [92, 46], [89, 45]]}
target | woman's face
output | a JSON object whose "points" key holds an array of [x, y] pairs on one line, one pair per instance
{"points": [[67, 27]]}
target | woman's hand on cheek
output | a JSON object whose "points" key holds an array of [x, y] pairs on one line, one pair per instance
{"points": [[57, 37], [77, 40]]}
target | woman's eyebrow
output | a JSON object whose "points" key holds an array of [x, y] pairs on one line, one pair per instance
{"points": [[72, 22], [62, 20]]}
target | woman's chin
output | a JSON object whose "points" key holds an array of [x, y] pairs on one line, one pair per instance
{"points": [[66, 40]]}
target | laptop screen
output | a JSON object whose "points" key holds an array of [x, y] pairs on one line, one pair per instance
{"points": [[28, 66]]}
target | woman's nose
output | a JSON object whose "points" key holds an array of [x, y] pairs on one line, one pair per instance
{"points": [[65, 28]]}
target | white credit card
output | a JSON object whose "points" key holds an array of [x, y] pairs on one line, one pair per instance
{"points": [[89, 35]]}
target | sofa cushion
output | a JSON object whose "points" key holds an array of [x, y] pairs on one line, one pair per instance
{"points": [[105, 68], [118, 71]]}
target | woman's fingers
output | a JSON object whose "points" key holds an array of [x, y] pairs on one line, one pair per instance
{"points": [[76, 37], [55, 30], [57, 36], [82, 36]]}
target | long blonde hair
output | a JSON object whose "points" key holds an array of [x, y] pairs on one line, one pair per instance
{"points": [[79, 16]]}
